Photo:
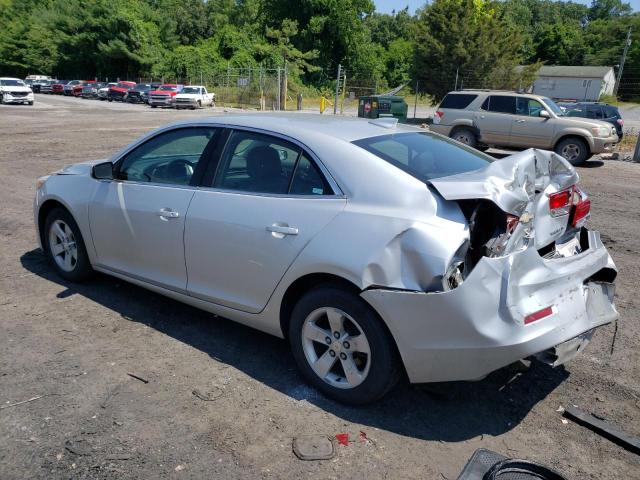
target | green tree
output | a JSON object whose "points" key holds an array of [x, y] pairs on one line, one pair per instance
{"points": [[470, 36]]}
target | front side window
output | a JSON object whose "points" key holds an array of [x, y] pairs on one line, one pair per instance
{"points": [[423, 155], [528, 107], [502, 104], [170, 157]]}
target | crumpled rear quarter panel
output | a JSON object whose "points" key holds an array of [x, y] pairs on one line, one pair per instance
{"points": [[468, 332]]}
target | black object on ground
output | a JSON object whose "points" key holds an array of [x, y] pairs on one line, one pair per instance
{"points": [[143, 380], [487, 465], [604, 428], [313, 447]]}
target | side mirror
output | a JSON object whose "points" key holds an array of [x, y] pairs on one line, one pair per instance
{"points": [[544, 114], [103, 171]]}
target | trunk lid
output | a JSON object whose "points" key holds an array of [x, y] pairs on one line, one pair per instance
{"points": [[520, 185]]}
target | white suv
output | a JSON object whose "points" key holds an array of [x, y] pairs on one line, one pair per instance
{"points": [[14, 90]]}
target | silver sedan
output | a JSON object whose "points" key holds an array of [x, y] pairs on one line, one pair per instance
{"points": [[376, 249]]}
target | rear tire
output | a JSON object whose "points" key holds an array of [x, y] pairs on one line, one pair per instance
{"points": [[465, 136], [64, 246], [574, 149], [341, 346]]}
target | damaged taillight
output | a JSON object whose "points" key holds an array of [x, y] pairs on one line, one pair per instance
{"points": [[560, 202], [581, 209]]}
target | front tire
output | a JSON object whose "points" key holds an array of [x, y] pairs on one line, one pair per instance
{"points": [[573, 149], [342, 347], [65, 247]]}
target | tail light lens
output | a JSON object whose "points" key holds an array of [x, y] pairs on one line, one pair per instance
{"points": [[560, 202], [438, 116], [539, 315], [620, 121], [581, 210]]}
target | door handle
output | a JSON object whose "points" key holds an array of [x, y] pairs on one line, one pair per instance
{"points": [[282, 229], [520, 121], [168, 213]]}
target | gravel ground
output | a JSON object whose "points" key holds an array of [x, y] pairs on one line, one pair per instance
{"points": [[72, 347]]}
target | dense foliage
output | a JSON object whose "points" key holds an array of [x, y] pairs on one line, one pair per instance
{"points": [[477, 42]]}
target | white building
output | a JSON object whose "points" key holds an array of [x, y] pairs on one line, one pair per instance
{"points": [[574, 82]]}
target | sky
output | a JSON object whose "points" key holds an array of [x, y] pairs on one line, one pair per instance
{"points": [[386, 6]]}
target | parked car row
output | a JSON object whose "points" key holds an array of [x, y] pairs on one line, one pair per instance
{"points": [[489, 118], [154, 94]]}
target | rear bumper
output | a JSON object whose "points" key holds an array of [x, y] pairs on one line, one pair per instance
{"points": [[468, 332]]}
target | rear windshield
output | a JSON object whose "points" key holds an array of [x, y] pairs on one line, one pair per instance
{"points": [[423, 155], [457, 100]]}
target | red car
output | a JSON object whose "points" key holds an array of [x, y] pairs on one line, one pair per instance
{"points": [[119, 92], [163, 96], [58, 88], [77, 89]]}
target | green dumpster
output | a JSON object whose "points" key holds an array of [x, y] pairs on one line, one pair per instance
{"points": [[377, 106]]}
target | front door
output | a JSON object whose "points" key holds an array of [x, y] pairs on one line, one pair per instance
{"points": [[137, 220], [267, 201]]}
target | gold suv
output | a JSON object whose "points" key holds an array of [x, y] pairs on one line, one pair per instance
{"points": [[491, 118]]}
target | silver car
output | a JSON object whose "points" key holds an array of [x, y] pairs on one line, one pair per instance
{"points": [[375, 249]]}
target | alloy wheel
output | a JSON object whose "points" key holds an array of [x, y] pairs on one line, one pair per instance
{"points": [[336, 347], [63, 247], [463, 138], [571, 151]]}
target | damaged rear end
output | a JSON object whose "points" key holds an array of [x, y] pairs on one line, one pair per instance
{"points": [[530, 280]]}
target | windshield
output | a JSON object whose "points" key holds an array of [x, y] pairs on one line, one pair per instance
{"points": [[190, 90], [425, 156], [553, 106], [123, 85], [166, 88], [142, 88], [12, 83]]}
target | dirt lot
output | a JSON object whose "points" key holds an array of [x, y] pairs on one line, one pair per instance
{"points": [[74, 345]]}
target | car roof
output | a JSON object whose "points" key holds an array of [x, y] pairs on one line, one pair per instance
{"points": [[11, 78], [308, 127]]}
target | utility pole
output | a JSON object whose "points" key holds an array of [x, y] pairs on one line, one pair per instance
{"points": [[335, 100], [455, 87], [279, 91], [627, 44], [415, 102], [344, 89]]}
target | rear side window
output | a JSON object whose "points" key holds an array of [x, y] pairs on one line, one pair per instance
{"points": [[611, 112], [423, 155], [457, 101], [594, 111], [502, 104]]}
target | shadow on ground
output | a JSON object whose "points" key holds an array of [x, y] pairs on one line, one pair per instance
{"points": [[447, 412]]}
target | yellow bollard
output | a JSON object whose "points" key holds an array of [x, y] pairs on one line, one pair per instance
{"points": [[323, 104]]}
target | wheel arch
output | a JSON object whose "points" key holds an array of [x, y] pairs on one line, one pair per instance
{"points": [[306, 283], [44, 210], [581, 136]]}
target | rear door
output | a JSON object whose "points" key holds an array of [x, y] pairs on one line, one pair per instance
{"points": [[268, 199], [495, 118], [529, 129]]}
